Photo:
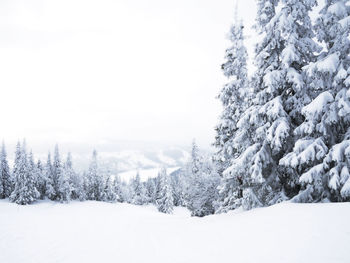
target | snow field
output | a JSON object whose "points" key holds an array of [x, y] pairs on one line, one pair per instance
{"points": [[91, 231]]}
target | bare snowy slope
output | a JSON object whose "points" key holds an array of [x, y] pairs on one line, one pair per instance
{"points": [[101, 232]]}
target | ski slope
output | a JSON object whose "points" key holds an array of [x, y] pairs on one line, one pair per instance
{"points": [[48, 232]]}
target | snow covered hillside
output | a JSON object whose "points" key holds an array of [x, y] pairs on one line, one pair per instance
{"points": [[128, 160], [116, 158], [144, 174], [103, 232]]}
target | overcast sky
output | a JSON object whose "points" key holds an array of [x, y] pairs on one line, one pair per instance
{"points": [[90, 71]]}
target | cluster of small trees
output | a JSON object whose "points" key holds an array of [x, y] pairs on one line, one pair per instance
{"points": [[285, 132], [193, 186], [56, 180]]}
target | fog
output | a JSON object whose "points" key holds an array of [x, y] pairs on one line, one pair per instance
{"points": [[83, 72]]}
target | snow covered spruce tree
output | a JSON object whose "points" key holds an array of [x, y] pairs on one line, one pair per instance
{"points": [[5, 175], [86, 185], [61, 179], [234, 99], [265, 128], [177, 186], [40, 179], [95, 180], [138, 191], [50, 182], [165, 201], [17, 166], [126, 192], [155, 188], [75, 179], [190, 173], [119, 190], [233, 96], [24, 191], [33, 171], [321, 154], [200, 185], [151, 187], [109, 194]]}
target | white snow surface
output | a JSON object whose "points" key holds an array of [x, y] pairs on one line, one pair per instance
{"points": [[48, 232]]}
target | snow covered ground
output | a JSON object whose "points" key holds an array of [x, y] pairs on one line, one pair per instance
{"points": [[48, 232]]}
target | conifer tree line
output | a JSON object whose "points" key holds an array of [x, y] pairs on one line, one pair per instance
{"points": [[193, 186], [284, 133]]}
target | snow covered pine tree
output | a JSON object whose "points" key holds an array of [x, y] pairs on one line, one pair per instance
{"points": [[234, 98], [24, 191], [5, 175], [321, 154], [63, 189], [95, 182], [265, 128], [138, 191], [165, 200], [50, 189]]}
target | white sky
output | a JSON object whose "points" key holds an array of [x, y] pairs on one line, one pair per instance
{"points": [[98, 70]]}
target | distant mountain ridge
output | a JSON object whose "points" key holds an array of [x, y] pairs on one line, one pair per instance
{"points": [[126, 160], [114, 156]]}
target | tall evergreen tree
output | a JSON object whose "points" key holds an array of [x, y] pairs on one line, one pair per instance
{"points": [[2, 188], [191, 173], [86, 185], [95, 180], [50, 188], [109, 194], [126, 192], [319, 155], [195, 161], [17, 164], [287, 46], [138, 191], [60, 179], [40, 179], [234, 98], [5, 175], [75, 179], [31, 170], [165, 198], [201, 181], [25, 191], [178, 187], [150, 186], [119, 189]]}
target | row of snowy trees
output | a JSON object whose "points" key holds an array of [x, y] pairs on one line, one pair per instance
{"points": [[285, 132], [55, 180], [194, 186]]}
